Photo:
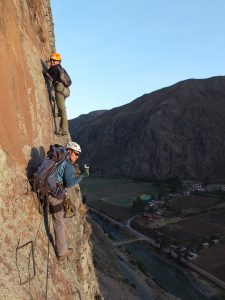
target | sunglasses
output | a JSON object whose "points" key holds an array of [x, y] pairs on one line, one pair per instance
{"points": [[77, 154], [52, 60]]}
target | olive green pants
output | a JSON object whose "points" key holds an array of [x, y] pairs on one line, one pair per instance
{"points": [[60, 102]]}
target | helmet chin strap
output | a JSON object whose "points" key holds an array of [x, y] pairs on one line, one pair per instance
{"points": [[69, 154]]}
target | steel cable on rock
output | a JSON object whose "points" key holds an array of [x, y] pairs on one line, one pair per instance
{"points": [[46, 286], [30, 254], [33, 242]]}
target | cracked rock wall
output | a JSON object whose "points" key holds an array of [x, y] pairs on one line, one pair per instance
{"points": [[29, 268]]}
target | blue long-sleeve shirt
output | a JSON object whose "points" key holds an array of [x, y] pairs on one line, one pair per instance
{"points": [[66, 175]]}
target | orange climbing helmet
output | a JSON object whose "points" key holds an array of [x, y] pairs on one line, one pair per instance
{"points": [[56, 56]]}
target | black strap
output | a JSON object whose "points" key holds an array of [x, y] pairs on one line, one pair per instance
{"points": [[56, 208]]}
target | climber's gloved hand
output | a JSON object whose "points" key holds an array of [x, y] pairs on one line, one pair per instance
{"points": [[86, 171]]}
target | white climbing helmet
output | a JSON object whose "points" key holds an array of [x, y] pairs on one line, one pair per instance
{"points": [[73, 146]]}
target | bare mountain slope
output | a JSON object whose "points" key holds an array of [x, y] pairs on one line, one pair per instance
{"points": [[175, 131]]}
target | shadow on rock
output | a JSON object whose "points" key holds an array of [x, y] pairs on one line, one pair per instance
{"points": [[36, 158]]}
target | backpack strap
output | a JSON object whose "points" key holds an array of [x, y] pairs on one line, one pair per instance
{"points": [[60, 173]]}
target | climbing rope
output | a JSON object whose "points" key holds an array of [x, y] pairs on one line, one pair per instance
{"points": [[71, 209], [46, 286], [31, 254], [51, 92], [53, 103]]}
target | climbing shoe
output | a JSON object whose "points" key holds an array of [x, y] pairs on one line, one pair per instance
{"points": [[66, 253]]}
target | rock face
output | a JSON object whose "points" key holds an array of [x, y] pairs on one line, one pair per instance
{"points": [[29, 268], [175, 131]]}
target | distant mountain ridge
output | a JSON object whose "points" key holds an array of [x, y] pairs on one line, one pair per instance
{"points": [[175, 131]]}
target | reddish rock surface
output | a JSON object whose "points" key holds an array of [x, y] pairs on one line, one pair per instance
{"points": [[26, 130]]}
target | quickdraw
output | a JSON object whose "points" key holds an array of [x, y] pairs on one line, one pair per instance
{"points": [[69, 208]]}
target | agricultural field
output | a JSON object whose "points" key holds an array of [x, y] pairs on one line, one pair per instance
{"points": [[197, 228], [114, 211], [193, 232], [193, 202], [115, 197], [213, 261], [112, 190]]}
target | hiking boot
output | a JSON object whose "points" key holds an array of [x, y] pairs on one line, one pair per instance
{"points": [[66, 253]]}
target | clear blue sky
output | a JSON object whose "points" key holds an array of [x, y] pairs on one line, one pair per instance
{"points": [[118, 50]]}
